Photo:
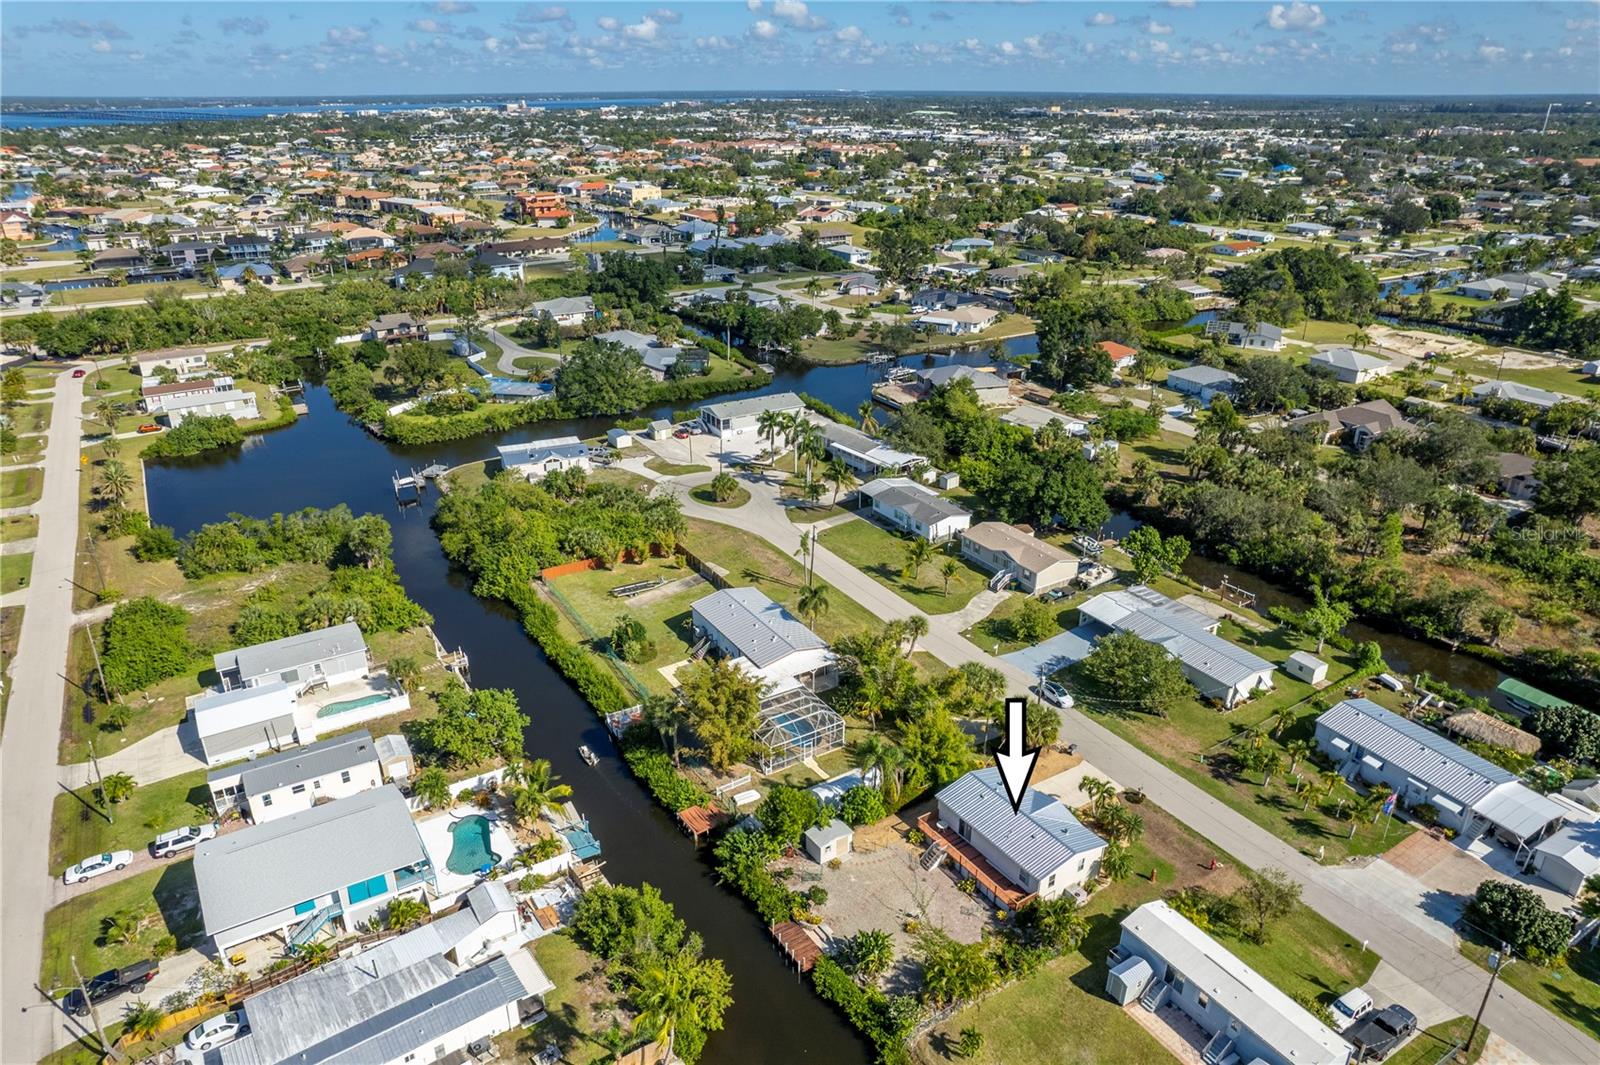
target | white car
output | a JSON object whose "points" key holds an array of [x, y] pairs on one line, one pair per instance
{"points": [[97, 865], [1350, 1007], [181, 839], [1056, 695], [223, 1028]]}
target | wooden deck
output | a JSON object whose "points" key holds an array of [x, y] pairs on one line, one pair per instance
{"points": [[797, 945], [699, 820], [994, 883]]}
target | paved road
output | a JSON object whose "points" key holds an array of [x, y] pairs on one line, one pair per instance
{"points": [[1421, 952], [138, 301], [511, 351], [28, 753]]}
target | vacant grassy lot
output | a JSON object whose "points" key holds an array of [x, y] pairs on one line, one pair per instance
{"points": [[582, 1008], [1431, 1044], [78, 826], [18, 488], [882, 555], [30, 418], [665, 618], [166, 901], [1569, 379], [15, 571]]}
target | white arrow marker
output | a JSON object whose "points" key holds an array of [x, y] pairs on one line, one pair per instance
{"points": [[1015, 761]]}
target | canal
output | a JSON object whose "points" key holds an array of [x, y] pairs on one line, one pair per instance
{"points": [[326, 459]]}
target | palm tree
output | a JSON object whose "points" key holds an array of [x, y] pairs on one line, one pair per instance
{"points": [[141, 1020], [1271, 763], [121, 927], [1319, 783], [839, 474], [432, 788], [106, 412], [664, 713], [115, 480], [404, 912], [1360, 338], [405, 671], [876, 752], [915, 627], [813, 602], [1116, 863], [1100, 793], [918, 551], [1298, 749], [724, 487], [866, 413], [675, 991], [116, 788], [769, 423], [870, 953], [536, 789], [1363, 807], [950, 570]]}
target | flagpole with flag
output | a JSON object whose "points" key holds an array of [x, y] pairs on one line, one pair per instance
{"points": [[1388, 810]]}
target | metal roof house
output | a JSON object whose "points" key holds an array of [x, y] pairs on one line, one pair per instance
{"points": [[536, 459], [1472, 795], [1350, 366], [1042, 849], [1569, 857], [1164, 960], [1202, 382], [1218, 669], [296, 780], [325, 656], [233, 403], [744, 624], [426, 995], [1516, 392], [865, 454], [241, 722], [343, 861], [914, 508], [735, 416], [1261, 337]]}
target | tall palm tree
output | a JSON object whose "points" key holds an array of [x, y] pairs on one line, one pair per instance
{"points": [[1298, 750], [866, 413], [950, 570], [813, 602], [877, 752], [916, 627], [918, 551], [106, 412], [1363, 808], [794, 428], [536, 789], [676, 991], [1271, 763], [115, 480], [769, 423], [664, 713], [839, 474]]}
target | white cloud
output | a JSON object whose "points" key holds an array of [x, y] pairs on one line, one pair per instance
{"points": [[101, 46], [137, 57], [753, 5], [1402, 47], [608, 23], [491, 44], [645, 29], [1101, 18], [1160, 47], [454, 7], [1296, 16], [798, 15], [1490, 52], [428, 25], [1179, 3], [763, 29], [849, 34], [346, 35], [713, 43], [901, 15], [1159, 29], [666, 15]]}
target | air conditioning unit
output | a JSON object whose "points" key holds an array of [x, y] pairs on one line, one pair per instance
{"points": [[479, 1048]]}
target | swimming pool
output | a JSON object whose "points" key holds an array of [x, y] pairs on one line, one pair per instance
{"points": [[469, 846], [346, 705]]}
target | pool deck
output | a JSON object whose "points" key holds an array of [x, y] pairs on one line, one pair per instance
{"points": [[437, 840]]}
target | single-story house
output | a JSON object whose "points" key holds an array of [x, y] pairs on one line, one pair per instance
{"points": [[1514, 475], [1218, 669], [1004, 549], [234, 403], [321, 657], [1121, 355], [863, 453], [991, 388], [851, 254], [430, 994], [342, 861], [657, 357], [287, 783], [1260, 337], [960, 321], [1471, 794], [1542, 398], [1162, 959], [736, 416], [1204, 383], [859, 284], [181, 361], [745, 625], [1350, 366], [1360, 423], [242, 722], [537, 458], [914, 508], [22, 294], [393, 328], [1040, 850], [565, 310], [1309, 230]]}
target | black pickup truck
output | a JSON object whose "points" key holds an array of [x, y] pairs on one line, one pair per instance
{"points": [[1376, 1035], [109, 983]]}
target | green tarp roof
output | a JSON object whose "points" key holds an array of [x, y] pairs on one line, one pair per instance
{"points": [[1527, 693]]}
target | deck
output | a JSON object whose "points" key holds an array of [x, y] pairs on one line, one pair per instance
{"points": [[700, 820], [797, 945], [964, 854]]}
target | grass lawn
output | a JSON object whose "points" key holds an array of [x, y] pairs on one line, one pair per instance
{"points": [[165, 896], [675, 469], [15, 571], [835, 349], [10, 632], [77, 827], [581, 1007], [666, 619], [880, 554], [1568, 379], [470, 474], [114, 293], [30, 417], [996, 628], [1317, 331], [535, 362], [1572, 993], [1431, 1044], [703, 494], [1061, 1014], [18, 488], [1164, 450]]}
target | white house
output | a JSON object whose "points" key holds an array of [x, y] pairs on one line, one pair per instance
{"points": [[1261, 337], [1162, 959], [1350, 366], [1569, 857], [329, 656], [745, 625], [565, 310], [1218, 669], [1516, 392], [736, 417], [342, 861], [242, 722], [863, 453], [231, 402], [429, 995], [1308, 230], [1202, 382], [991, 388], [1040, 849], [959, 321], [181, 361], [914, 508], [537, 459], [295, 780], [1471, 794], [1006, 550]]}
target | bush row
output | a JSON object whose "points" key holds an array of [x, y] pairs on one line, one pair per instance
{"points": [[865, 1007], [826, 409], [654, 768], [594, 681]]}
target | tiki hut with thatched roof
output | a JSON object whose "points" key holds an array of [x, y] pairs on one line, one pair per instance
{"points": [[1485, 728]]}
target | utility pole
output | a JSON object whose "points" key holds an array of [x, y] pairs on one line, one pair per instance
{"points": [[94, 1013], [95, 650], [1497, 961], [100, 783]]}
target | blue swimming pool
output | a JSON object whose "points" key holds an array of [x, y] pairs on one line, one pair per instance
{"points": [[346, 705], [470, 849]]}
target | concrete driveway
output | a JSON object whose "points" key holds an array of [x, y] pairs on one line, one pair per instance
{"points": [[1055, 653]]}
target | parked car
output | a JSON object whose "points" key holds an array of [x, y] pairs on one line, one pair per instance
{"points": [[680, 434], [1055, 595], [97, 865], [181, 839], [1379, 1034], [1056, 694], [80, 373], [110, 983], [149, 427], [1350, 1007], [223, 1028]]}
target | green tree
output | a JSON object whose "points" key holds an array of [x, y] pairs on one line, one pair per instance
{"points": [[724, 486], [1516, 915], [723, 705], [534, 789], [115, 481], [868, 954], [1152, 554], [917, 553], [787, 812], [680, 999], [432, 788], [369, 539], [405, 671], [1129, 673], [950, 570], [813, 603], [602, 378], [915, 628], [473, 726], [665, 714], [952, 971], [402, 913], [141, 1020], [862, 805], [1266, 896]]}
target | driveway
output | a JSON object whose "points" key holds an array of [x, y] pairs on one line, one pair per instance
{"points": [[1057, 652], [160, 755]]}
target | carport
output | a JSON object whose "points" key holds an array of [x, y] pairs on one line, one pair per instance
{"points": [[1056, 653]]}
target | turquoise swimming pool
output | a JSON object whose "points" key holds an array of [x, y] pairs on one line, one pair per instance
{"points": [[469, 846], [346, 705]]}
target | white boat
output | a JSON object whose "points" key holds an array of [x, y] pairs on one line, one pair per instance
{"points": [[587, 755]]}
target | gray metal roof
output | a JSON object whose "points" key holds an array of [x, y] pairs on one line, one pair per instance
{"points": [[260, 870], [1041, 837], [535, 451], [304, 763], [277, 656], [980, 378], [741, 408], [763, 631], [392, 746], [1204, 376], [1414, 750], [922, 504]]}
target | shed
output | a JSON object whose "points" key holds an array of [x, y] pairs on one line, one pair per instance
{"points": [[947, 479], [394, 758], [1485, 728], [829, 842], [1306, 667], [1569, 857], [1127, 979], [619, 438], [660, 429]]}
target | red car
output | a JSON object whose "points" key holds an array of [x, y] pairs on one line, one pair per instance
{"points": [[79, 373], [681, 434], [149, 427]]}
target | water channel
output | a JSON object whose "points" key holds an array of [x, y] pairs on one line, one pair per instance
{"points": [[326, 459]]}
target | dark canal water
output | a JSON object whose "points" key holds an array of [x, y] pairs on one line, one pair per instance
{"points": [[325, 459]]}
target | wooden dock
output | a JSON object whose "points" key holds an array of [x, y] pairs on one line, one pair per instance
{"points": [[797, 944], [699, 821]]}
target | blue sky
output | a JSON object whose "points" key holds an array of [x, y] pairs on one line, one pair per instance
{"points": [[462, 46]]}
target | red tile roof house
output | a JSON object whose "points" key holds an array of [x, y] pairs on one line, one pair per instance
{"points": [[1121, 355]]}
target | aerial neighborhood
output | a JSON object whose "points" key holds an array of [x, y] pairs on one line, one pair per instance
{"points": [[570, 579]]}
